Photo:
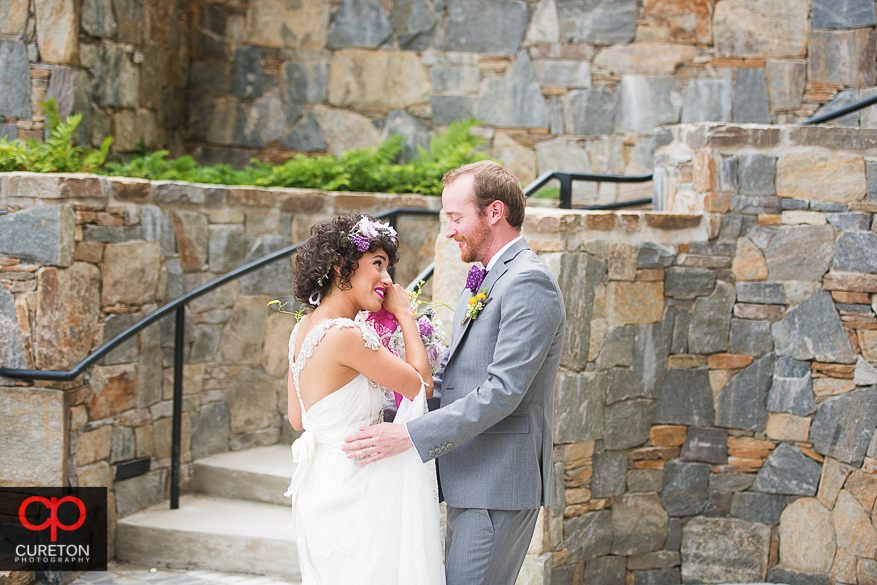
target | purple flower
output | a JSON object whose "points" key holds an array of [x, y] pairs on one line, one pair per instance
{"points": [[361, 242], [425, 326]]}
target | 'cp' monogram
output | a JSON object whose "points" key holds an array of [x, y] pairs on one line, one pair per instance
{"points": [[53, 521]]}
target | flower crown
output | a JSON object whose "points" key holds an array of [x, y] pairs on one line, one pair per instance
{"points": [[365, 230]]}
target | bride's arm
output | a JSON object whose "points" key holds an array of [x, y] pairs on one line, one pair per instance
{"points": [[293, 408]]}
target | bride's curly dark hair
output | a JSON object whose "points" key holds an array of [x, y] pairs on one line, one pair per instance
{"points": [[327, 248]]}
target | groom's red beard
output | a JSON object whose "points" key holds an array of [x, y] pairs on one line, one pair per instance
{"points": [[472, 246]]}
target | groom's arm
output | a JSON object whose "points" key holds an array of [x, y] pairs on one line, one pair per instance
{"points": [[532, 313]]}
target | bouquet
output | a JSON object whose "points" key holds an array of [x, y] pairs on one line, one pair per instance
{"points": [[387, 328]]}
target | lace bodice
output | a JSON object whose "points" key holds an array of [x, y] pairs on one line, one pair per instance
{"points": [[313, 338]]}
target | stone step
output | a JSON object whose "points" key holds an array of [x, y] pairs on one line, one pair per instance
{"points": [[212, 533], [261, 474]]}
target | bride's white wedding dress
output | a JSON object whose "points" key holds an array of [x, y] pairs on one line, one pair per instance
{"points": [[376, 524]]}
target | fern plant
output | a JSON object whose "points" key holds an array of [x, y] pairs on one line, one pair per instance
{"points": [[57, 154]]}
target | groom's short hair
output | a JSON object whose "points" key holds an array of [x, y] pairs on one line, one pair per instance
{"points": [[493, 182]]}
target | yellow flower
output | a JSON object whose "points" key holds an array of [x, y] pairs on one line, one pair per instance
{"points": [[472, 301], [482, 296]]}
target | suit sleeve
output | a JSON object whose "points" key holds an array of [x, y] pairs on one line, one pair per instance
{"points": [[531, 313]]}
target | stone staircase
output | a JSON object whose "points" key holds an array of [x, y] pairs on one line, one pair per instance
{"points": [[238, 521]]}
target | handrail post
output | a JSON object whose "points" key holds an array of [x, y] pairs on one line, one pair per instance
{"points": [[565, 190], [179, 345]]}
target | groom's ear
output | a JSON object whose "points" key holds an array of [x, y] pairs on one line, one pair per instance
{"points": [[495, 211]]}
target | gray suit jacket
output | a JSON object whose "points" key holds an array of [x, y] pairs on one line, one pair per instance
{"points": [[493, 432]]}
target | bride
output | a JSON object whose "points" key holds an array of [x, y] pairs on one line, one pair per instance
{"points": [[355, 524]]}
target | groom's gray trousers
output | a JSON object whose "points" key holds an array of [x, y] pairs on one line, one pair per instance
{"points": [[487, 547]]}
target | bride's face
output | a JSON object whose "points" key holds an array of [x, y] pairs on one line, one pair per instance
{"points": [[370, 281]]}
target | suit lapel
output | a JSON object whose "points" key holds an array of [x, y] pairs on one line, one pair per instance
{"points": [[499, 269]]}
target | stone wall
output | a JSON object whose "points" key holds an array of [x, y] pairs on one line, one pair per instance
{"points": [[558, 84], [84, 257], [717, 401]]}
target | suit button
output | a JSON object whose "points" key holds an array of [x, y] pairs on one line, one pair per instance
{"points": [[432, 452], [450, 445]]}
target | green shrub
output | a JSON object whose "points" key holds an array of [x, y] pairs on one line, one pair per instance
{"points": [[57, 154], [364, 170]]}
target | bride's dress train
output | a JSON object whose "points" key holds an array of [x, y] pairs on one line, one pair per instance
{"points": [[360, 525]]}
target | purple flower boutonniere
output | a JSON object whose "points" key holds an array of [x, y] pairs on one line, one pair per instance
{"points": [[476, 304]]}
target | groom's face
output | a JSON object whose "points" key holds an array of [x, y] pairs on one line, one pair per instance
{"points": [[466, 225]]}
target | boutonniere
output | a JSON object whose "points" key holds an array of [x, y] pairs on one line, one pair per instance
{"points": [[476, 304]]}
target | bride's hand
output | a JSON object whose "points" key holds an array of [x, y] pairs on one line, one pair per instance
{"points": [[396, 301]]}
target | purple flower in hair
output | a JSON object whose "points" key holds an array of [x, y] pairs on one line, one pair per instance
{"points": [[361, 242]]}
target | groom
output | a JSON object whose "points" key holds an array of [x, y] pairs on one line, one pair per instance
{"points": [[492, 436]]}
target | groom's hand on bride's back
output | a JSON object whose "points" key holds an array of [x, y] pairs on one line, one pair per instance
{"points": [[373, 443]]}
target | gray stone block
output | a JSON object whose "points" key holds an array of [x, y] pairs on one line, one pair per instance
{"points": [[871, 179], [210, 77], [599, 22], [843, 57], [588, 536], [756, 174], [840, 14], [610, 474], [14, 81], [768, 293], [780, 575], [578, 406], [731, 482], [486, 26], [305, 136], [670, 576], [359, 24], [756, 507], [751, 103], [706, 100], [681, 323], [755, 204], [686, 398], [109, 234], [43, 235], [117, 77], [792, 388], [651, 346], [563, 73], [272, 279], [793, 203], [639, 524], [97, 18], [450, 108], [555, 115], [813, 330], [841, 100], [674, 535], [617, 348], [711, 320], [644, 102], [742, 403], [12, 354], [849, 221], [652, 255], [831, 206], [762, 235], [626, 424], [617, 388], [589, 112], [578, 275], [705, 445], [788, 471], [516, 101], [414, 22], [412, 129], [455, 78], [645, 480], [727, 179], [784, 258], [210, 434], [718, 505], [129, 350], [688, 283], [605, 571], [8, 131], [307, 81], [272, 118], [786, 81], [205, 344], [122, 444], [137, 493], [856, 252], [686, 488], [724, 550], [750, 337], [843, 425]]}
